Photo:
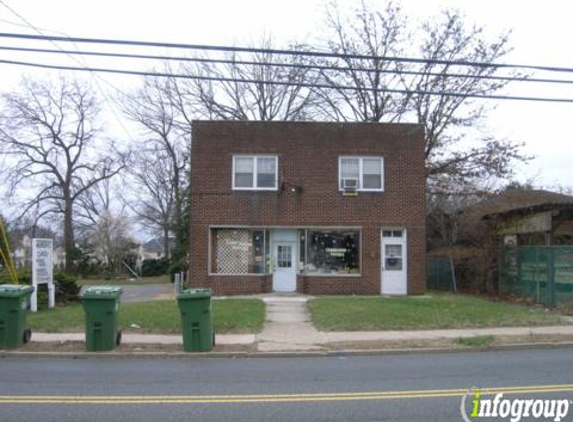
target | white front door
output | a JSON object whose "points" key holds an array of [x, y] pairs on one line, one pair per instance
{"points": [[394, 262], [284, 267]]}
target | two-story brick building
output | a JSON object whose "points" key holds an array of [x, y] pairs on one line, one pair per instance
{"points": [[318, 208]]}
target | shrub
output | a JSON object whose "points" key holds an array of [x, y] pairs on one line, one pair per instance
{"points": [[154, 267], [24, 277], [67, 288]]}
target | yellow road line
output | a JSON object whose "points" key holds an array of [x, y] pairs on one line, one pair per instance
{"points": [[484, 390], [280, 398]]}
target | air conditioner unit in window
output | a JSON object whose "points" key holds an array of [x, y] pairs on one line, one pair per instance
{"points": [[350, 184]]}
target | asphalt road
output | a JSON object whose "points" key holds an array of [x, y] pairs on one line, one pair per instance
{"points": [[367, 388]]}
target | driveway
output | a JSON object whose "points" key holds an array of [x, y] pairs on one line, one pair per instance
{"points": [[146, 293]]}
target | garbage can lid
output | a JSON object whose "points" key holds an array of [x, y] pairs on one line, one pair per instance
{"points": [[102, 292], [14, 289], [194, 294]]}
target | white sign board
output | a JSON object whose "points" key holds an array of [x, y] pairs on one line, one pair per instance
{"points": [[42, 270]]}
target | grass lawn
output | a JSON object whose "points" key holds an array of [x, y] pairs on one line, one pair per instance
{"points": [[162, 279], [162, 317], [436, 310]]}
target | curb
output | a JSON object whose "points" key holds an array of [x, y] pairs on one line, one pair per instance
{"points": [[289, 354]]}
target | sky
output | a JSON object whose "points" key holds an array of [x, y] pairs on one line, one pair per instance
{"points": [[541, 35]]}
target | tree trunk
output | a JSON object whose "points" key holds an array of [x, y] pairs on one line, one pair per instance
{"points": [[166, 242], [69, 241]]}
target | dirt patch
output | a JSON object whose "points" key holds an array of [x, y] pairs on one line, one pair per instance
{"points": [[448, 343], [79, 347]]}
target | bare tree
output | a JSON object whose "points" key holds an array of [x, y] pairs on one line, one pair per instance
{"points": [[446, 118], [160, 167], [155, 201], [230, 99], [110, 241], [48, 132], [93, 204], [362, 40], [449, 120]]}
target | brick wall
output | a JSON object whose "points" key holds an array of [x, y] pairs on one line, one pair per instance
{"points": [[308, 158]]}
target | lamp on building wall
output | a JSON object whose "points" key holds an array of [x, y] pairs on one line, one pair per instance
{"points": [[291, 187]]}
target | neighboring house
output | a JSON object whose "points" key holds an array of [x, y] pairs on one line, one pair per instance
{"points": [[318, 208], [22, 252], [525, 216], [154, 249]]}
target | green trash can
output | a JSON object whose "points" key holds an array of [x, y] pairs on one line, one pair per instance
{"points": [[13, 310], [195, 307], [101, 306]]}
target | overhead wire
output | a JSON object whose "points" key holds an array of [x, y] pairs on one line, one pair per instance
{"points": [[84, 64], [292, 52], [318, 67], [286, 83]]}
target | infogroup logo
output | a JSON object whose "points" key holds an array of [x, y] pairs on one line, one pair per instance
{"points": [[513, 409]]}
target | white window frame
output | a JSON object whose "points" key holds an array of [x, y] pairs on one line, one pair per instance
{"points": [[255, 175], [361, 172]]}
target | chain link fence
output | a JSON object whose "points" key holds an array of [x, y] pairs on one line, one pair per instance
{"points": [[440, 274], [543, 274]]}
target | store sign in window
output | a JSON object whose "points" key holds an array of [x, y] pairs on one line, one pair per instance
{"points": [[332, 252], [238, 251]]}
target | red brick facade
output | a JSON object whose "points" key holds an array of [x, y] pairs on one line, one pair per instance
{"points": [[308, 159]]}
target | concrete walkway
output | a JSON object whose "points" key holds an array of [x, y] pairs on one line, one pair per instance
{"points": [[288, 327]]}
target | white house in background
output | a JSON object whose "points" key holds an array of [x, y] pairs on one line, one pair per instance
{"points": [[22, 254], [154, 249]]}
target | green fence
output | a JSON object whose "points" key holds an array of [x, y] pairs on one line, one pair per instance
{"points": [[440, 274], [543, 274]]}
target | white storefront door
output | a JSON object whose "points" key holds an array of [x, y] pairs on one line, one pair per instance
{"points": [[284, 263], [394, 262]]}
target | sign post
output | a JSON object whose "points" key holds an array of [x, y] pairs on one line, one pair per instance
{"points": [[42, 271]]}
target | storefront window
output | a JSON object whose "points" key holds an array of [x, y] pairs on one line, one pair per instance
{"points": [[238, 251], [332, 252]]}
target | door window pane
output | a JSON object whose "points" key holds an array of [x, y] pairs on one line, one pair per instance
{"points": [[284, 256], [393, 257]]}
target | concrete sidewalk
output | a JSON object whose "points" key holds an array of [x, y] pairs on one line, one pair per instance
{"points": [[285, 337], [132, 338]]}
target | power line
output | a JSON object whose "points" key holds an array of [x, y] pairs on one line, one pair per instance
{"points": [[286, 83], [70, 54], [285, 65], [220, 48]]}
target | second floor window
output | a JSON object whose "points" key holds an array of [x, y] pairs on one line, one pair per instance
{"points": [[255, 172], [365, 173]]}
